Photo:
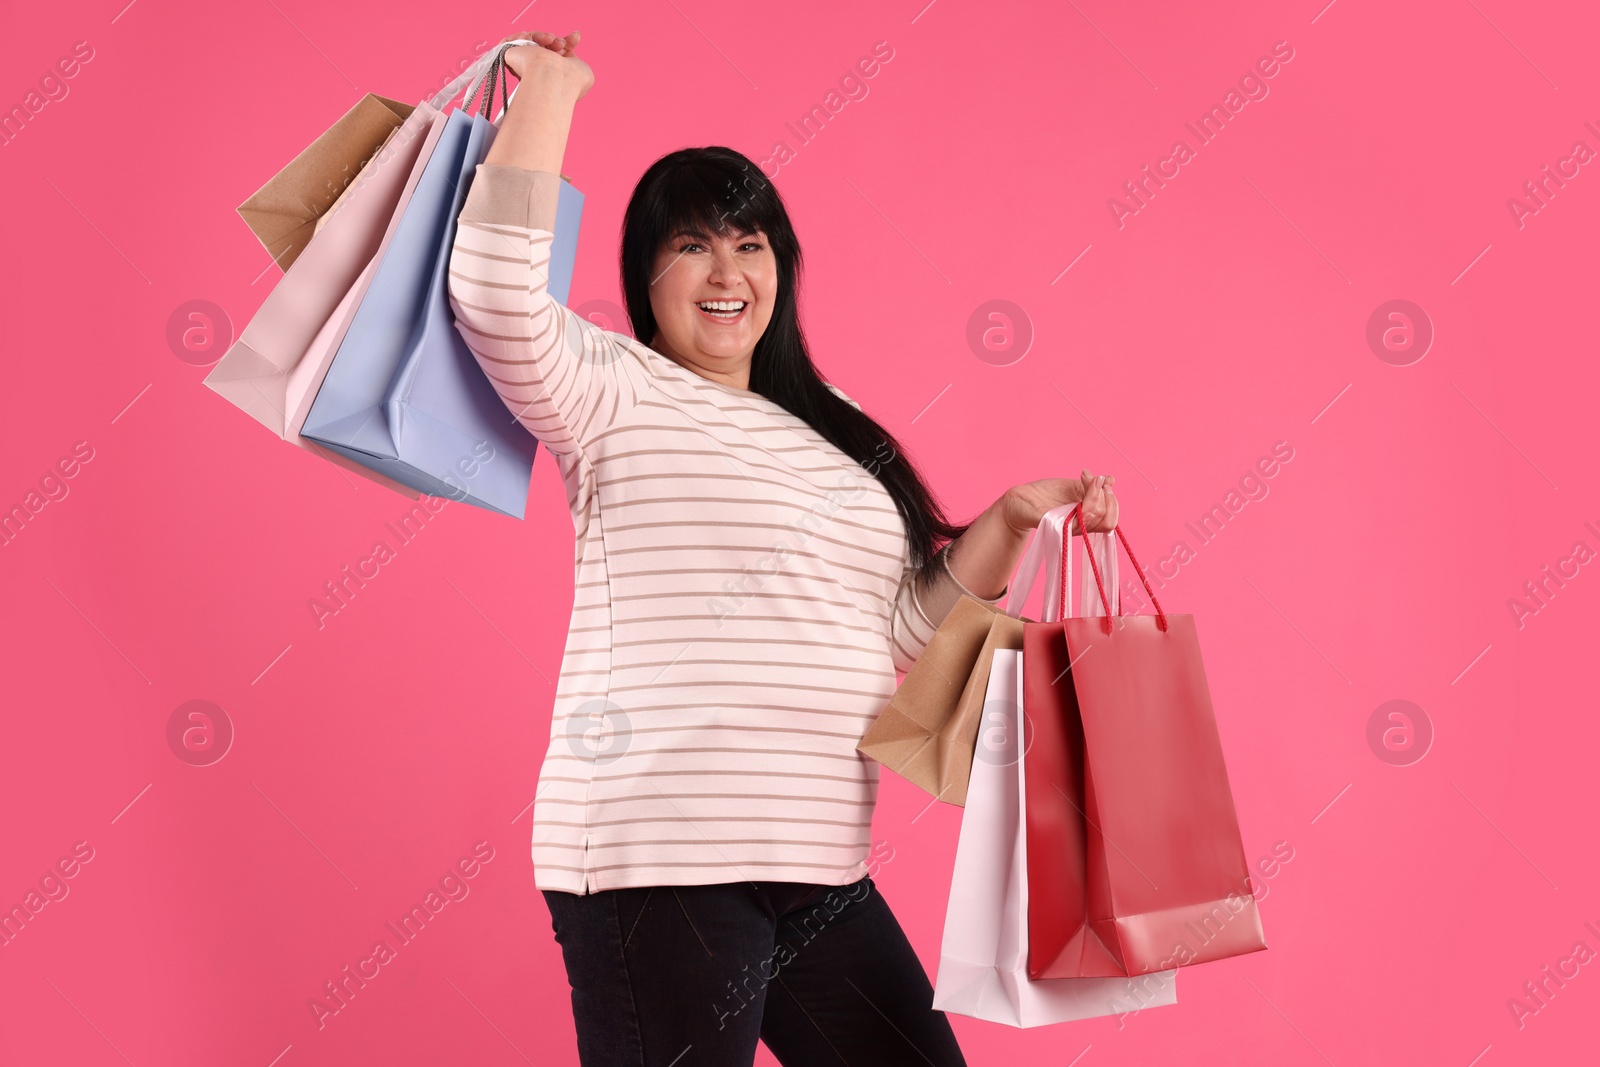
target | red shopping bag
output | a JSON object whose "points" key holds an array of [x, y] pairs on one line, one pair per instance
{"points": [[1135, 862]]}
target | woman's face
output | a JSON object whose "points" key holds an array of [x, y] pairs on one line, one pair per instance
{"points": [[738, 271]]}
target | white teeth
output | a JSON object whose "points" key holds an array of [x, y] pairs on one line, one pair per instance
{"points": [[722, 305]]}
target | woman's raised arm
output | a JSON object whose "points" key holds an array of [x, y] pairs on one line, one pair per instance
{"points": [[565, 379], [551, 80]]}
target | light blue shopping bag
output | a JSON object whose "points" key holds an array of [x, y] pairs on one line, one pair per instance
{"points": [[404, 395]]}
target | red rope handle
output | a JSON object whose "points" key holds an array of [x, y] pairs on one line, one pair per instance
{"points": [[1105, 601]]}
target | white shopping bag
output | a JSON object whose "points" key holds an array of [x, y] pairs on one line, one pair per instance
{"points": [[983, 959]]}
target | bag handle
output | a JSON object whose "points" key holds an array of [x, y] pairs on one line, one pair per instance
{"points": [[482, 74], [1049, 549], [1105, 624]]}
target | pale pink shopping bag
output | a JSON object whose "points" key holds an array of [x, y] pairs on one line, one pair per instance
{"points": [[983, 957], [274, 369]]}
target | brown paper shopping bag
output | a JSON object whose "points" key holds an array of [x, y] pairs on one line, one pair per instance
{"points": [[285, 213], [927, 731]]}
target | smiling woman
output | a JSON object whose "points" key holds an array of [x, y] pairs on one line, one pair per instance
{"points": [[736, 798]]}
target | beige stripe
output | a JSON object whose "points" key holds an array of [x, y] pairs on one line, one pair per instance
{"points": [[610, 457], [715, 685], [519, 338], [700, 499], [720, 591], [839, 823], [742, 772], [851, 735], [727, 641], [704, 841], [484, 283], [611, 799], [759, 865], [790, 420], [503, 229], [514, 312], [748, 596], [812, 441], [743, 617], [830, 713], [739, 548], [749, 750], [519, 262], [812, 665]]}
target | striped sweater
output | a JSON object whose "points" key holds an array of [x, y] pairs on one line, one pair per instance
{"points": [[743, 592]]}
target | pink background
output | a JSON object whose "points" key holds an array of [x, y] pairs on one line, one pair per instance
{"points": [[1228, 314]]}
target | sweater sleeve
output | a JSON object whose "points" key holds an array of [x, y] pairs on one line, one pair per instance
{"points": [[921, 605], [562, 377]]}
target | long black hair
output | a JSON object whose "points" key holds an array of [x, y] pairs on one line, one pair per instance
{"points": [[717, 190]]}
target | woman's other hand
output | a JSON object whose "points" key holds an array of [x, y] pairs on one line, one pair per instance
{"points": [[1025, 505], [546, 49]]}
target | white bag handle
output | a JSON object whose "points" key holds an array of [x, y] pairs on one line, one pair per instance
{"points": [[1045, 546]]}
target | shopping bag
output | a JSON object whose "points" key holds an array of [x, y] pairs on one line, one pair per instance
{"points": [[306, 379], [983, 954], [255, 372], [925, 733], [404, 394], [285, 212], [1135, 860], [274, 369]]}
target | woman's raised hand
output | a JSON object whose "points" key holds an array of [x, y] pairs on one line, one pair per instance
{"points": [[1024, 505], [546, 48]]}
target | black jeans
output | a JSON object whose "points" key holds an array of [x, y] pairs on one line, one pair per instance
{"points": [[691, 976]]}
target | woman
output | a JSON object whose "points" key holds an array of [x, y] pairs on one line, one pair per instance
{"points": [[755, 558]]}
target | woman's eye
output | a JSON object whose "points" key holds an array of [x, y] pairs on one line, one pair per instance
{"points": [[755, 246]]}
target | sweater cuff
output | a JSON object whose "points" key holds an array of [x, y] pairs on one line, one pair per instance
{"points": [[512, 196]]}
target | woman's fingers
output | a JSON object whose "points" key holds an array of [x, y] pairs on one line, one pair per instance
{"points": [[546, 39]]}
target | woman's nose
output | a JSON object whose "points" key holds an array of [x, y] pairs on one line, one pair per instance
{"points": [[725, 268]]}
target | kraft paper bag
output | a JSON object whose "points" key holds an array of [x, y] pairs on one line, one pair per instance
{"points": [[926, 731], [287, 211], [983, 954]]}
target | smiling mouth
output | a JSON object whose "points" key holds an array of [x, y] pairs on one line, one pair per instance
{"points": [[723, 311]]}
